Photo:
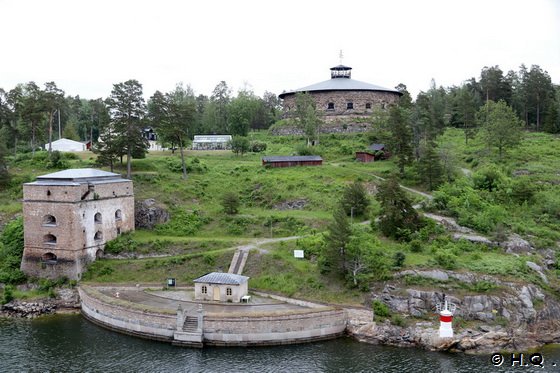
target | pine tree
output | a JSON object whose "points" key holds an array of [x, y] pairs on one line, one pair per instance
{"points": [[397, 213], [339, 232], [400, 141], [127, 108], [430, 169]]}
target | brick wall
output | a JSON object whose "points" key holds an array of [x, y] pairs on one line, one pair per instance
{"points": [[79, 235]]}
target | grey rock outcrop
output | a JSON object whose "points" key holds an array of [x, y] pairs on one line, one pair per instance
{"points": [[147, 214]]}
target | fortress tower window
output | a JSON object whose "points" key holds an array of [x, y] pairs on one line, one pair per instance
{"points": [[228, 291], [204, 290], [330, 106], [49, 220], [98, 236], [97, 218], [49, 239], [350, 106], [49, 258], [118, 215], [368, 105]]}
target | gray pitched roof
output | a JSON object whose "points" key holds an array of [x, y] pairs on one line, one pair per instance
{"points": [[75, 176], [78, 173], [222, 278], [376, 147], [340, 84], [295, 158]]}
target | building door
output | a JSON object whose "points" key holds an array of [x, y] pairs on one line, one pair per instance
{"points": [[216, 293]]}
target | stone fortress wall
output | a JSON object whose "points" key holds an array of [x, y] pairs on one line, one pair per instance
{"points": [[340, 101]]}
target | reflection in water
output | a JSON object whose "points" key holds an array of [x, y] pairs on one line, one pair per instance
{"points": [[68, 343]]}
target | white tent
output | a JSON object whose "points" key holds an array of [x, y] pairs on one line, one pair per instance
{"points": [[66, 145]]}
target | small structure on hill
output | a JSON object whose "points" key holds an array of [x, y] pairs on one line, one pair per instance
{"points": [[211, 142], [222, 287], [375, 152], [67, 145], [68, 216], [292, 161]]}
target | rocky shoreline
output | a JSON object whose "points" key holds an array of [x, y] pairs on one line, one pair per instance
{"points": [[67, 300]]}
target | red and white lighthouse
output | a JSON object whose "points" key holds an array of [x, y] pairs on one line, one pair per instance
{"points": [[445, 322]]}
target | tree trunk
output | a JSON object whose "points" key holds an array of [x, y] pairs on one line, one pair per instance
{"points": [[33, 139], [129, 163], [183, 164], [50, 132]]}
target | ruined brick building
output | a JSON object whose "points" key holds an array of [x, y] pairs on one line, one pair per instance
{"points": [[68, 216], [342, 99]]}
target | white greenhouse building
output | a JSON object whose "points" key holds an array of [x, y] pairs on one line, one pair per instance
{"points": [[211, 142]]}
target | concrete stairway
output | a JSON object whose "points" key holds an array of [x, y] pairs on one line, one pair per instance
{"points": [[238, 262], [191, 324]]}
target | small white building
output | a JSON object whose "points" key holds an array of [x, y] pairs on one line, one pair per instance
{"points": [[222, 287], [67, 145], [211, 142]]}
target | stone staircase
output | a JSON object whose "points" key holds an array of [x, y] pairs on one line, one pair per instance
{"points": [[191, 324], [238, 262], [189, 333]]}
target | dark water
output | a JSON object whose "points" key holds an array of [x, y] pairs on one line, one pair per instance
{"points": [[68, 343]]}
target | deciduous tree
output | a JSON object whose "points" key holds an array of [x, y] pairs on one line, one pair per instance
{"points": [[501, 128]]}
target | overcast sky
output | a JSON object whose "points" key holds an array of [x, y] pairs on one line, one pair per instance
{"points": [[87, 46]]}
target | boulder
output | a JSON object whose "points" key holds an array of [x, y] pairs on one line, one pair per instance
{"points": [[517, 245], [147, 214]]}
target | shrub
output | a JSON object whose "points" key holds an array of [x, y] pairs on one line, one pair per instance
{"points": [[398, 259], [302, 149], [380, 309], [415, 246], [8, 295], [230, 203], [56, 160], [240, 145], [258, 146], [446, 260], [398, 320], [123, 243], [182, 223]]}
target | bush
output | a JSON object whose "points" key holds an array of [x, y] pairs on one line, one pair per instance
{"points": [[258, 146], [380, 309], [398, 320], [240, 145], [398, 259], [56, 160], [182, 223], [446, 260], [230, 203], [123, 243], [8, 295], [415, 246], [302, 149]]}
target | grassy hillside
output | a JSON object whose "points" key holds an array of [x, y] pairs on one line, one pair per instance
{"points": [[199, 236]]}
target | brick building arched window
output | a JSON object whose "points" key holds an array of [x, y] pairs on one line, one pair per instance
{"points": [[49, 239], [118, 215], [49, 220], [98, 236], [97, 218]]}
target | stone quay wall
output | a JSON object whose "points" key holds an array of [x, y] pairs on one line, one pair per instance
{"points": [[112, 315], [219, 329], [287, 328]]}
